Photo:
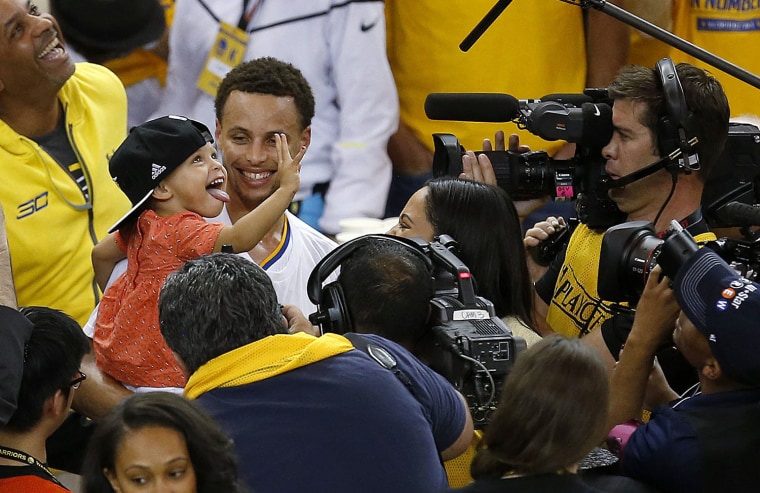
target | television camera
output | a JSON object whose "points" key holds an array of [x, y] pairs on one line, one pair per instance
{"points": [[586, 119], [471, 346], [464, 340]]}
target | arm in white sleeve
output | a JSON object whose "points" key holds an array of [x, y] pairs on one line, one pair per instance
{"points": [[369, 114]]}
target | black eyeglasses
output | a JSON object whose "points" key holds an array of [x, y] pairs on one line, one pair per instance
{"points": [[78, 380]]}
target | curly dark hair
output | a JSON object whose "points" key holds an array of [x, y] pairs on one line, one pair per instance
{"points": [[268, 75], [215, 304], [212, 452]]}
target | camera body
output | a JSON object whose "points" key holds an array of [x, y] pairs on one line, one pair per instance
{"points": [[735, 178], [586, 121], [467, 343]]}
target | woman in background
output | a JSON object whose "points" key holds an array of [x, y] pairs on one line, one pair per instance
{"points": [[484, 222], [161, 441], [555, 414]]}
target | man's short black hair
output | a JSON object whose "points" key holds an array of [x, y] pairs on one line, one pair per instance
{"points": [[387, 289], [51, 360], [217, 303], [268, 75]]}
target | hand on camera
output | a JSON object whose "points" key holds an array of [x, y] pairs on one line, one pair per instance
{"points": [[524, 207], [542, 231], [477, 168], [297, 322], [657, 309]]}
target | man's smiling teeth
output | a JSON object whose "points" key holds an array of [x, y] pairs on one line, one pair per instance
{"points": [[49, 47], [256, 176]]}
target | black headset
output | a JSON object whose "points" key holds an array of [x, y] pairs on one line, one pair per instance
{"points": [[674, 128], [332, 313]]}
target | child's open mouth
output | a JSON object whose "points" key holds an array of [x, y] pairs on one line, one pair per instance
{"points": [[216, 190]]}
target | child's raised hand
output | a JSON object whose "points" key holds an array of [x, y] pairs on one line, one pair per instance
{"points": [[288, 167]]}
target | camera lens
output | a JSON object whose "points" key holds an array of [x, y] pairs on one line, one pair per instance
{"points": [[638, 261], [629, 253]]}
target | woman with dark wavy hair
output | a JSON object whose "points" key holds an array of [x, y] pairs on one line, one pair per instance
{"points": [[162, 441], [484, 222], [555, 414]]}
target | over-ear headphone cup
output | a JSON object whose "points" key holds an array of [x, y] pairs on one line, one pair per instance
{"points": [[672, 129], [333, 304], [332, 310], [667, 136]]}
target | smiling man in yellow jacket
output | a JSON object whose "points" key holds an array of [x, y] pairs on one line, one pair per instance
{"points": [[59, 123]]}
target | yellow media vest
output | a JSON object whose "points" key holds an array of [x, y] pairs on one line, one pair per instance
{"points": [[575, 308]]}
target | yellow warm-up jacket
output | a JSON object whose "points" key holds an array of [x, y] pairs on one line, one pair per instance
{"points": [[51, 227]]}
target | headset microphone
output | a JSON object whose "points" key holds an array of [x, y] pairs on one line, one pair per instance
{"points": [[637, 175], [665, 162]]}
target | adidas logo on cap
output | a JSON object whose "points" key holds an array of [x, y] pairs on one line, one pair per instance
{"points": [[156, 169]]}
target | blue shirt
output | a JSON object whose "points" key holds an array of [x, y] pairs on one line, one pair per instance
{"points": [[342, 424], [665, 452]]}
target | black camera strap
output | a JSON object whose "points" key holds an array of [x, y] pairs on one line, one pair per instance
{"points": [[694, 223], [382, 357]]}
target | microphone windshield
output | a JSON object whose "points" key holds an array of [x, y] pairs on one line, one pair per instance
{"points": [[472, 107]]}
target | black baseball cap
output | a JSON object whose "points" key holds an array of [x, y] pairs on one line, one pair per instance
{"points": [[15, 331], [150, 152], [725, 307], [109, 25]]}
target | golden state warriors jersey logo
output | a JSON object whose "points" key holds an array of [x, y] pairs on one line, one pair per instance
{"points": [[575, 308], [580, 311]]}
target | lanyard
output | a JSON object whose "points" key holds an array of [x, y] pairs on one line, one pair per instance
{"points": [[19, 456], [248, 15], [245, 17]]}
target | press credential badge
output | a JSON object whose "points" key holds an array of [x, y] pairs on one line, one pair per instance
{"points": [[227, 52]]}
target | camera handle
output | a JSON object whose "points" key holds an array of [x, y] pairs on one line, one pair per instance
{"points": [[633, 21]]}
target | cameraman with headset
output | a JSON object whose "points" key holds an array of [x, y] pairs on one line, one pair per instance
{"points": [[385, 288], [656, 113]]}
